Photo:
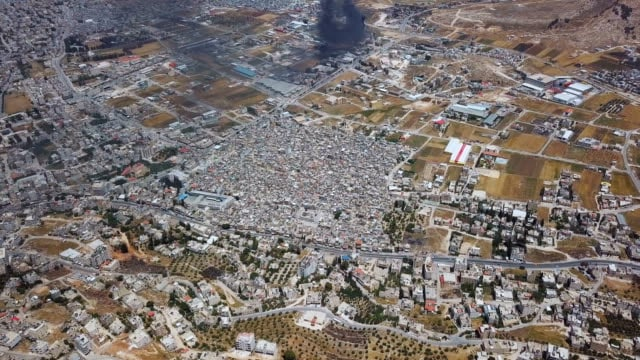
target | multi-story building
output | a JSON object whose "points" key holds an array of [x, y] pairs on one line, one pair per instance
{"points": [[246, 341], [307, 267], [82, 343]]}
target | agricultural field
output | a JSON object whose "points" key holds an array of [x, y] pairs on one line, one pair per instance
{"points": [[522, 142], [537, 167], [595, 102], [621, 184], [148, 49], [511, 187], [159, 120], [542, 256], [226, 95], [415, 141], [122, 101], [195, 267], [50, 246], [433, 151], [223, 124], [633, 219], [633, 153], [414, 120], [341, 109], [588, 187], [547, 107], [16, 102], [627, 119], [469, 132], [604, 135], [150, 91], [392, 115], [578, 247], [603, 157], [541, 334]]}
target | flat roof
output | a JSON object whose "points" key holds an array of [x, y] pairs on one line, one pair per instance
{"points": [[453, 145], [531, 86], [541, 77], [475, 110], [491, 120], [580, 87], [278, 86], [461, 154], [565, 96]]}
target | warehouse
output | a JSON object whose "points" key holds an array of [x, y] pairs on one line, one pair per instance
{"points": [[459, 151]]}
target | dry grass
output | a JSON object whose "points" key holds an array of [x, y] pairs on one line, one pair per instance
{"points": [[523, 142], [226, 95], [52, 313], [541, 334], [121, 349], [434, 240], [595, 102], [622, 288], [435, 322], [150, 91], [578, 247], [16, 102], [621, 184], [511, 187], [588, 187], [159, 120], [469, 132], [44, 229], [148, 49], [50, 246], [434, 151], [633, 219], [580, 275], [121, 101], [543, 256]]}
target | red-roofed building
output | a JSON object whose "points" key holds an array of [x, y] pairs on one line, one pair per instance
{"points": [[430, 305]]}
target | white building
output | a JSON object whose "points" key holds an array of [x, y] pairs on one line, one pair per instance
{"points": [[139, 339], [246, 341], [459, 151], [266, 347]]}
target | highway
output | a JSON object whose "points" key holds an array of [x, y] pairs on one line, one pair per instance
{"points": [[451, 340]]}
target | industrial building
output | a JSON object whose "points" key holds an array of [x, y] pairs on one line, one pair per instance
{"points": [[281, 87], [205, 199], [459, 151], [538, 82], [567, 98], [245, 71], [470, 111]]}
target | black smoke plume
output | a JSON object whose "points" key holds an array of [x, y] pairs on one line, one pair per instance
{"points": [[341, 24]]}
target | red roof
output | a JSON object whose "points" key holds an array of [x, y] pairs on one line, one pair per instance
{"points": [[430, 305], [461, 152]]}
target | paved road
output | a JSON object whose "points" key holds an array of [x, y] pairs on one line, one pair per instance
{"points": [[400, 255], [452, 340]]}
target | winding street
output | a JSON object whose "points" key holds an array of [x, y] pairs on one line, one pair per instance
{"points": [[451, 340]]}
